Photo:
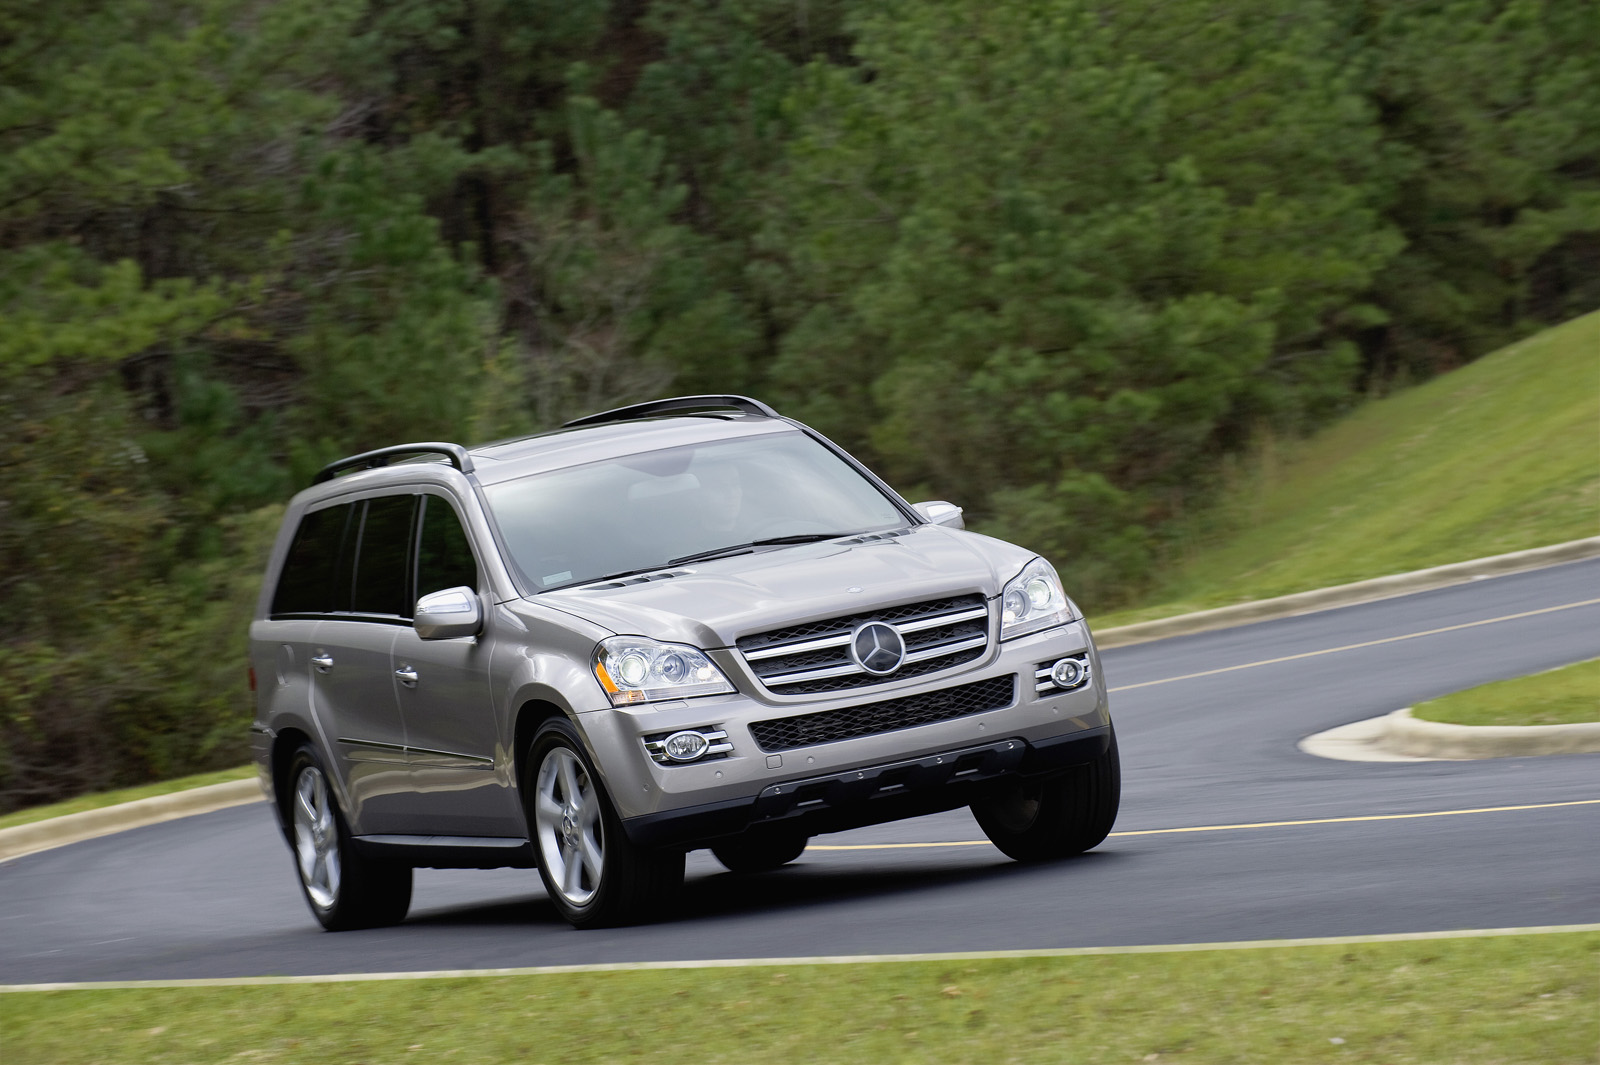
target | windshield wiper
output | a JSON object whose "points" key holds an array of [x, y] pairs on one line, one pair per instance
{"points": [[745, 549], [584, 581]]}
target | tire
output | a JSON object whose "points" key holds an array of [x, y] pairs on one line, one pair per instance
{"points": [[759, 853], [1057, 816], [344, 889], [595, 876]]}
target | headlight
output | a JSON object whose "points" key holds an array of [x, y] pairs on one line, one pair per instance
{"points": [[1033, 600], [633, 669]]}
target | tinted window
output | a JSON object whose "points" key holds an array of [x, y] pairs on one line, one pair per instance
{"points": [[310, 581], [444, 555], [380, 586]]}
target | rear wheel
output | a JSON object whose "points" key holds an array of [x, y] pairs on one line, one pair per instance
{"points": [[344, 889], [1058, 816], [759, 853], [592, 872]]}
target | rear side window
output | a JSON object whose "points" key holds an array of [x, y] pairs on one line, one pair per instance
{"points": [[310, 581], [444, 555], [381, 585]]}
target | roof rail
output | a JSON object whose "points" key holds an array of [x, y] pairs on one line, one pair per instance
{"points": [[368, 460], [664, 406]]}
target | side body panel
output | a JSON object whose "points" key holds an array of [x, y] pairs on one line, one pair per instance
{"points": [[457, 778], [353, 699]]}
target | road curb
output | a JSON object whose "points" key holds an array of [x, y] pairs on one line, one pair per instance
{"points": [[1367, 591], [1409, 735], [71, 828], [1402, 737]]}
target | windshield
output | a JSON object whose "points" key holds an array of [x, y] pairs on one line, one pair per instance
{"points": [[641, 512]]}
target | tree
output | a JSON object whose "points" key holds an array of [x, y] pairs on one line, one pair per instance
{"points": [[1059, 256], [1491, 116]]}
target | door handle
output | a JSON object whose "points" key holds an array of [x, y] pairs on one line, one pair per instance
{"points": [[323, 662], [407, 675]]}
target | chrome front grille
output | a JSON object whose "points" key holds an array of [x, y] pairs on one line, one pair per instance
{"points": [[815, 657]]}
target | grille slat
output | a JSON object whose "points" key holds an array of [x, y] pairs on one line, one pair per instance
{"points": [[908, 627], [947, 647], [825, 643], [824, 673], [851, 722], [815, 657]]}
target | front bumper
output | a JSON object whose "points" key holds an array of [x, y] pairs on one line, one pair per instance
{"points": [[888, 733], [870, 795]]}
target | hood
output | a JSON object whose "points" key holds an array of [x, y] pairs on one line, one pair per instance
{"points": [[714, 603]]}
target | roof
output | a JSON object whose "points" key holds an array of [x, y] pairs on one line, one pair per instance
{"points": [[632, 430], [573, 447]]}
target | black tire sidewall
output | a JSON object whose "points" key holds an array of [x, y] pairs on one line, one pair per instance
{"points": [[1076, 809], [371, 893]]}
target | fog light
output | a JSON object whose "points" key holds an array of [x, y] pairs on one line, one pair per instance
{"points": [[702, 744], [1068, 673], [685, 746]]}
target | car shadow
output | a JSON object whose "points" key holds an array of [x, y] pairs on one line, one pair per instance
{"points": [[802, 885]]}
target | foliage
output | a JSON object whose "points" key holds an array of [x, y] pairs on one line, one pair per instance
{"points": [[1491, 117], [175, 241], [1054, 260], [1130, 236], [124, 660]]}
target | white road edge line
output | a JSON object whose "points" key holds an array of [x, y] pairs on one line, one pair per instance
{"points": [[857, 959], [1360, 646]]}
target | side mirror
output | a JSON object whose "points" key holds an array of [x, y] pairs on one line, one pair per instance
{"points": [[448, 614], [941, 513]]}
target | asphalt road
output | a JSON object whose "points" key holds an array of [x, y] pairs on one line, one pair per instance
{"points": [[1208, 726]]}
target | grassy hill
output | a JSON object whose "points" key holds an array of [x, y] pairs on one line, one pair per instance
{"points": [[1500, 455]]}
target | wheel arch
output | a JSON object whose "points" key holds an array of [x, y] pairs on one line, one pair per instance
{"points": [[284, 745], [530, 716]]}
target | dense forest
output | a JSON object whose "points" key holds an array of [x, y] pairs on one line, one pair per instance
{"points": [[1053, 259]]}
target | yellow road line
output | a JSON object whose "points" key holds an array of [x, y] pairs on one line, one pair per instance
{"points": [[893, 846], [1358, 646], [1223, 828]]}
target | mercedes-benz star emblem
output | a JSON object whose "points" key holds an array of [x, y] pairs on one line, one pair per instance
{"points": [[877, 648]]}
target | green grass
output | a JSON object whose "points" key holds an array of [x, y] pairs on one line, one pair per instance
{"points": [[1501, 999], [1558, 697], [111, 798], [1500, 455]]}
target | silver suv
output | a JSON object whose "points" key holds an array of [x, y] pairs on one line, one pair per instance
{"points": [[686, 623]]}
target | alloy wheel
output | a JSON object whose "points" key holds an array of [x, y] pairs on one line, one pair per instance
{"points": [[567, 817], [316, 838]]}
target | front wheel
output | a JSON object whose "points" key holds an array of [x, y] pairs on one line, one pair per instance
{"points": [[1057, 816], [344, 889], [595, 876]]}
